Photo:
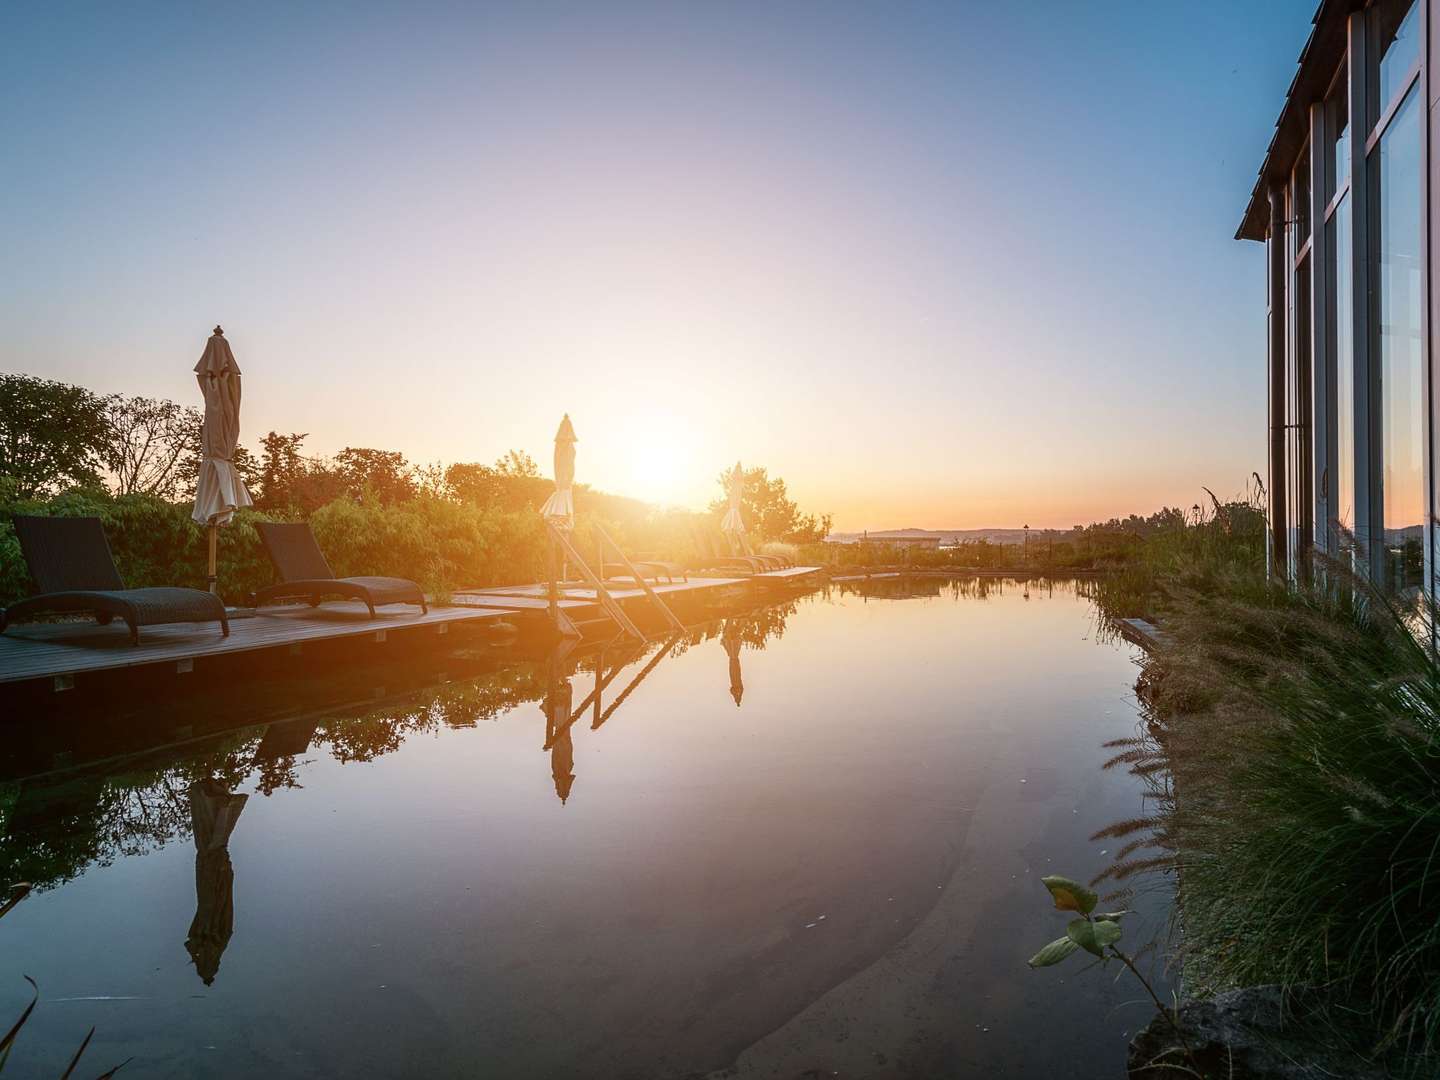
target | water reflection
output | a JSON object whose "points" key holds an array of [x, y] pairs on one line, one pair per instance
{"points": [[57, 823], [731, 639], [214, 810], [764, 877]]}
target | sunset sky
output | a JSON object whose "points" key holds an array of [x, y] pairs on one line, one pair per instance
{"points": [[942, 265]]}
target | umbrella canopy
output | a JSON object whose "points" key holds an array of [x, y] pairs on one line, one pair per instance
{"points": [[219, 491], [733, 522], [559, 509]]}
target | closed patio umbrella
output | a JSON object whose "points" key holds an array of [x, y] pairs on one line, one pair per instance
{"points": [[733, 523], [559, 509], [219, 491]]}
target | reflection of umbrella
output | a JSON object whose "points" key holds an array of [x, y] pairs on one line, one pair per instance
{"points": [[558, 703], [213, 813], [732, 649], [559, 509], [733, 522], [219, 491]]}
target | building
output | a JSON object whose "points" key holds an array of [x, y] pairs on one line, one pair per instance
{"points": [[906, 540], [1343, 206]]}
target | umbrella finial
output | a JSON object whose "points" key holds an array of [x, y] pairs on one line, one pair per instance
{"points": [[218, 331]]}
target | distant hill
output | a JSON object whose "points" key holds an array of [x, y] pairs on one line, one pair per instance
{"points": [[954, 536]]}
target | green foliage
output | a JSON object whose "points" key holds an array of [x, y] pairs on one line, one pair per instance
{"points": [[51, 435], [1301, 726], [769, 512], [1099, 935], [1070, 895], [372, 510]]}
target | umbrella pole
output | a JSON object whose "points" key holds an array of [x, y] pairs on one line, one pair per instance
{"points": [[213, 532], [554, 592]]}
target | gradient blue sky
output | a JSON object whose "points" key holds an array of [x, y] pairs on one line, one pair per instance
{"points": [[943, 265]]}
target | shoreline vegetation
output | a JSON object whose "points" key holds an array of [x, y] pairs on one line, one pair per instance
{"points": [[1291, 740]]}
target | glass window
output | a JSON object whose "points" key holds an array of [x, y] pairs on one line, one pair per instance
{"points": [[1337, 122], [1396, 26], [1342, 339], [1300, 201], [1397, 171], [1299, 505]]}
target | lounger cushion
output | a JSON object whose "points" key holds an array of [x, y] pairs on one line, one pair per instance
{"points": [[139, 607], [378, 590]]}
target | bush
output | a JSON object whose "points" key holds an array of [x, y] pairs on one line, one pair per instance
{"points": [[442, 543]]}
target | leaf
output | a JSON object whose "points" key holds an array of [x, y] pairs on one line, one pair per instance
{"points": [[1093, 936], [78, 1053], [1053, 953], [17, 893], [1070, 895], [9, 1039]]}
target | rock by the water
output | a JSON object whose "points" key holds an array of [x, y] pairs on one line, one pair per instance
{"points": [[1250, 1034]]}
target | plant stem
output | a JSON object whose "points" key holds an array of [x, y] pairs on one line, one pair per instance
{"points": [[1169, 1014]]}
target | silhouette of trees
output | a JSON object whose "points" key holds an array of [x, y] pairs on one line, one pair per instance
{"points": [[152, 445], [51, 435]]}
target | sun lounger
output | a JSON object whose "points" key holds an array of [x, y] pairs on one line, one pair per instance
{"points": [[74, 573], [305, 575], [712, 559]]}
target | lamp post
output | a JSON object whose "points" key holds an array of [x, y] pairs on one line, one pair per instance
{"points": [[1026, 557]]}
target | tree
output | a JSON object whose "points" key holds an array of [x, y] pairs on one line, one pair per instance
{"points": [[383, 473], [151, 445], [770, 512], [51, 435], [512, 483], [282, 470]]}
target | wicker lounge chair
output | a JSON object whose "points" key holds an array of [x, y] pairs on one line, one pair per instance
{"points": [[711, 557], [305, 575], [719, 544], [74, 573]]}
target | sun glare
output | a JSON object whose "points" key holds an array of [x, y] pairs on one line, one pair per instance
{"points": [[659, 461]]}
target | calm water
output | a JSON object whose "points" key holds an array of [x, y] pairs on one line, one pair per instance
{"points": [[806, 842]]}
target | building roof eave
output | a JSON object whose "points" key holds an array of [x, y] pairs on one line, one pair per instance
{"points": [[1324, 49]]}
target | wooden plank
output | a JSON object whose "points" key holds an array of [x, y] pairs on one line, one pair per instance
{"points": [[789, 573], [511, 602], [1143, 633], [43, 650], [585, 594]]}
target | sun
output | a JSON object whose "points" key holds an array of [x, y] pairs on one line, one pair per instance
{"points": [[661, 462]]}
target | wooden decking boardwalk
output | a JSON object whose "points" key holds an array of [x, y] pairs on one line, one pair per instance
{"points": [[789, 575], [48, 650], [62, 651], [1142, 632], [584, 595]]}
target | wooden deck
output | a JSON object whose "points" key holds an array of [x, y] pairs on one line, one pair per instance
{"points": [[65, 650], [584, 595], [1142, 632], [791, 575]]}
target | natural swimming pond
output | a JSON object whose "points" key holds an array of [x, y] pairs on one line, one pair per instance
{"points": [[801, 840]]}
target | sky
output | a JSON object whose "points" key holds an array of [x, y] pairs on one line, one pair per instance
{"points": [[949, 265]]}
